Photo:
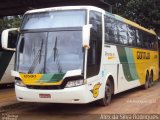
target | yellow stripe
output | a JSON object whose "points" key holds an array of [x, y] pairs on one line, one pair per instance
{"points": [[45, 84]]}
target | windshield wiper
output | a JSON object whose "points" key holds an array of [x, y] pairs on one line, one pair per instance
{"points": [[40, 51], [55, 49], [56, 57], [36, 58]]}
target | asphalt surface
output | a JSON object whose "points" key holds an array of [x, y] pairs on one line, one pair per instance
{"points": [[135, 101]]}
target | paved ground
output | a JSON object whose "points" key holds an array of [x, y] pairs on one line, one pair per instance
{"points": [[135, 101], [7, 96]]}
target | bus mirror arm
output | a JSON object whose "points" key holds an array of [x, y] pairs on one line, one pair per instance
{"points": [[86, 35], [85, 41], [85, 63]]}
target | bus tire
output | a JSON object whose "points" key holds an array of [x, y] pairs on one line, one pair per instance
{"points": [[108, 94], [151, 80], [146, 85]]}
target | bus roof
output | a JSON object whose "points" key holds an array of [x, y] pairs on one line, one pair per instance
{"points": [[65, 8]]}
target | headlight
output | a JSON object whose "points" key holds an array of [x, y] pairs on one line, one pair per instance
{"points": [[20, 83], [74, 83]]}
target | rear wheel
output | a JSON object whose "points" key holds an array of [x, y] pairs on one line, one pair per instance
{"points": [[108, 95], [147, 82], [151, 80]]}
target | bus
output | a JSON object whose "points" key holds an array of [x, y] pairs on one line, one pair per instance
{"points": [[81, 54], [6, 65]]}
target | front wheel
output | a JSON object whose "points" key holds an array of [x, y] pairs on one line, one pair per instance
{"points": [[108, 95]]}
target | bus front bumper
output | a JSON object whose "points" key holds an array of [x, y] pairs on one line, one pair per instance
{"points": [[76, 95]]}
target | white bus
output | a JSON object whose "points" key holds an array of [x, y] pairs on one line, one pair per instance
{"points": [[6, 64], [80, 54]]}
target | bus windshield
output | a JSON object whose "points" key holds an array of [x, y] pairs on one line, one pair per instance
{"points": [[50, 52], [51, 42], [54, 19]]}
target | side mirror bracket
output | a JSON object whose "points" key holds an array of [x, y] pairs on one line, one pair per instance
{"points": [[86, 40]]}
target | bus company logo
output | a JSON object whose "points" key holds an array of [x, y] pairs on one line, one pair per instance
{"points": [[110, 56], [95, 90], [143, 55]]}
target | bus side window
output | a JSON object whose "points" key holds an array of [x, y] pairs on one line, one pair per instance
{"points": [[94, 53], [145, 40], [132, 39], [21, 45], [111, 32], [153, 42], [122, 30], [139, 38]]}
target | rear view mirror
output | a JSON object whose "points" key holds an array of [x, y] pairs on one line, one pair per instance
{"points": [[9, 39], [86, 35]]}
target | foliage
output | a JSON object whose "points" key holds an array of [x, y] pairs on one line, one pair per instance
{"points": [[10, 22], [144, 12]]}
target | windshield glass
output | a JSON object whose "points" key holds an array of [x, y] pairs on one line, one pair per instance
{"points": [[54, 19], [50, 52]]}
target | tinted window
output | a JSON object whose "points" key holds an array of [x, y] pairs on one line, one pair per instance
{"points": [[122, 33], [139, 38], [153, 43], [145, 40], [94, 53], [132, 36], [111, 31]]}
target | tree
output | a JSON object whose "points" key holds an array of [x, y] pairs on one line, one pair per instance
{"points": [[10, 22], [143, 12]]}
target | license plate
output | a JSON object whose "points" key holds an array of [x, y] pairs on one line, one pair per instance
{"points": [[45, 95]]}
